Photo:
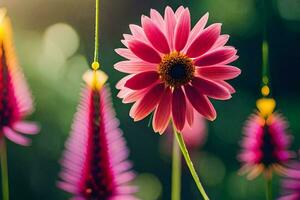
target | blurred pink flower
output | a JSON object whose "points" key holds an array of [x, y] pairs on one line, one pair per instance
{"points": [[95, 164], [174, 69], [265, 145], [291, 183], [15, 97], [194, 136]]}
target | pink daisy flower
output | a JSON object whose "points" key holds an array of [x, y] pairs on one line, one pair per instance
{"points": [[291, 183], [173, 69], [95, 164], [15, 97], [265, 145]]}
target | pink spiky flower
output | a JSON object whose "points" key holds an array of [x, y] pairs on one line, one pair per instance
{"points": [[95, 164], [174, 69], [265, 145], [15, 97], [291, 183]]}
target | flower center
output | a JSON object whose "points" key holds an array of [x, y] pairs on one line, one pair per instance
{"points": [[176, 69]]}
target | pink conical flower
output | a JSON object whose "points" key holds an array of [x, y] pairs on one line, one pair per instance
{"points": [[95, 165], [291, 183], [175, 68], [15, 97], [265, 145]]}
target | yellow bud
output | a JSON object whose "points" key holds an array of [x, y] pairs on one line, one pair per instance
{"points": [[95, 79], [265, 90], [95, 65], [266, 106]]}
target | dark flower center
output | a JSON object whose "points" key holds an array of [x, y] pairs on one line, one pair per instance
{"points": [[99, 180], [268, 148], [176, 69]]}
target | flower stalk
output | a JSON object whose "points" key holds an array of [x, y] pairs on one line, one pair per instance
{"points": [[190, 164], [4, 171], [269, 188], [96, 31], [176, 169]]}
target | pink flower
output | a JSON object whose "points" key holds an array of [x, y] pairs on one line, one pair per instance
{"points": [[173, 69], [265, 145], [291, 183], [15, 97], [95, 164], [195, 135]]}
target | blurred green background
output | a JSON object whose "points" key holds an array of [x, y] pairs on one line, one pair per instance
{"points": [[54, 41]]}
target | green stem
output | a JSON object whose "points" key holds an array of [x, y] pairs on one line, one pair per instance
{"points": [[190, 164], [269, 189], [265, 63], [4, 171], [96, 32], [176, 169]]}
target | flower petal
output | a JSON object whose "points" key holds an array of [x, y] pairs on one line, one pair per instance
{"points": [[142, 80], [16, 137], [227, 85], [30, 128], [201, 103], [182, 30], [204, 41], [178, 108], [138, 33], [189, 113], [211, 89], [222, 40], [147, 104], [219, 72], [144, 51], [216, 57], [198, 28], [137, 66], [155, 35], [162, 113], [126, 53], [121, 83], [157, 18], [178, 12], [170, 26]]}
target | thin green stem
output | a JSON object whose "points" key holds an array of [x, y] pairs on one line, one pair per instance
{"points": [[190, 164], [265, 63], [265, 46], [4, 171], [96, 52], [176, 169], [269, 189]]}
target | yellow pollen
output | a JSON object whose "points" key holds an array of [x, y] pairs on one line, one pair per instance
{"points": [[176, 69]]}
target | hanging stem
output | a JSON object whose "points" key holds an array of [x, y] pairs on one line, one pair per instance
{"points": [[265, 63], [176, 169], [190, 163], [96, 32], [4, 171], [269, 188]]}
